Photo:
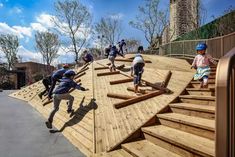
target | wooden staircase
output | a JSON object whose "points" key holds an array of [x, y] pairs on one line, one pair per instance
{"points": [[185, 129]]}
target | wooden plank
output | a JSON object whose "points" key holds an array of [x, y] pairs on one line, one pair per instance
{"points": [[142, 91], [101, 68], [80, 75], [130, 60], [121, 81], [108, 73], [119, 96], [137, 99], [118, 67], [81, 71], [166, 79]]}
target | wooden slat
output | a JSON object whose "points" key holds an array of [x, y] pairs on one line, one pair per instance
{"points": [[121, 81], [80, 75], [137, 99], [119, 96], [81, 71], [142, 91], [166, 79], [101, 68], [130, 60], [108, 73]]}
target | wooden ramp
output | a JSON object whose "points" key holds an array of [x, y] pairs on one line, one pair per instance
{"points": [[98, 127]]}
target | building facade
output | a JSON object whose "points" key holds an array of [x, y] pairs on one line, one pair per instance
{"points": [[184, 17]]}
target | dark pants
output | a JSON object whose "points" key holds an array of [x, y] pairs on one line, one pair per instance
{"points": [[138, 70], [56, 100], [46, 84], [53, 83], [121, 50]]}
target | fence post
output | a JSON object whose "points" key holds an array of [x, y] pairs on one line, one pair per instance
{"points": [[183, 49], [222, 47]]}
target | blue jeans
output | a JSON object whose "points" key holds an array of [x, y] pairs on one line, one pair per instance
{"points": [[138, 70]]}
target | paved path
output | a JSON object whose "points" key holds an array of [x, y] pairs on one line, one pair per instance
{"points": [[24, 134]]}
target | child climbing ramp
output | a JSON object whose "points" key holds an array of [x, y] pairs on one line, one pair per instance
{"points": [[112, 55], [62, 93], [138, 68], [202, 64]]}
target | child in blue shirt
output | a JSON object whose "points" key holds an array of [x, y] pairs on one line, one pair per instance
{"points": [[62, 93], [56, 76], [121, 44], [137, 68], [87, 57], [112, 55]]}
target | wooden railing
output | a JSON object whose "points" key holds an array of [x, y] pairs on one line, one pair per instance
{"points": [[225, 106], [217, 47]]}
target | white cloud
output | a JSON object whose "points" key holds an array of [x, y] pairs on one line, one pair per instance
{"points": [[15, 30], [38, 27], [45, 20], [117, 16], [28, 55], [16, 10], [27, 31], [1, 5]]}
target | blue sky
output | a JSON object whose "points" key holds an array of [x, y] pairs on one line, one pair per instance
{"points": [[24, 17]]}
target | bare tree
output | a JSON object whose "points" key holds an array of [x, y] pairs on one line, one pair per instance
{"points": [[47, 43], [132, 45], [151, 20], [109, 28], [9, 46], [73, 20]]}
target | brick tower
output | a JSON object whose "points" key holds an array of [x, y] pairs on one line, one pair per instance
{"points": [[184, 17]]}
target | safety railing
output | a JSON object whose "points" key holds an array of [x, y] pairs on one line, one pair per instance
{"points": [[225, 105]]}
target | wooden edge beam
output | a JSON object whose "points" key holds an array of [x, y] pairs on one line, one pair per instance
{"points": [[84, 66], [80, 75], [121, 81], [137, 99], [142, 91], [81, 71], [130, 60], [101, 68], [108, 73], [166, 79], [119, 96]]}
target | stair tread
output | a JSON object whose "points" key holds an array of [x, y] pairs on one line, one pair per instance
{"points": [[198, 82], [189, 106], [145, 148], [189, 120], [201, 89], [183, 139], [200, 97], [116, 153]]}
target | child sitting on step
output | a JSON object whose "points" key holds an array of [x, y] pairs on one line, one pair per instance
{"points": [[202, 64], [62, 93], [138, 68]]}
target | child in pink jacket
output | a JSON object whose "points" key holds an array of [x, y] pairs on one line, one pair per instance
{"points": [[202, 64]]}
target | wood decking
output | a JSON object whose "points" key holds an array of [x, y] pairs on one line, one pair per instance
{"points": [[99, 127]]}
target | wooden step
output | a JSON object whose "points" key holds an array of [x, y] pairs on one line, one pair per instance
{"points": [[197, 84], [145, 148], [195, 125], [179, 141], [210, 81], [198, 99], [203, 111], [116, 153], [201, 91]]}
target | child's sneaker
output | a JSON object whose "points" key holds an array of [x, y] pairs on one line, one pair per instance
{"points": [[48, 124]]}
